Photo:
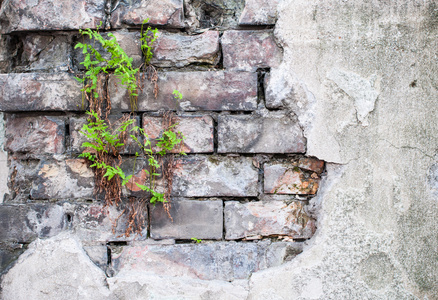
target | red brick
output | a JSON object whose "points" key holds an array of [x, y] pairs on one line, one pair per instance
{"points": [[38, 135], [273, 218], [198, 132], [169, 13], [40, 92], [249, 50], [21, 15], [285, 178], [178, 50], [311, 164], [218, 90], [259, 12]]}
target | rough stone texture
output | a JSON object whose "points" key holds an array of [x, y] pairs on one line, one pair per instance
{"points": [[167, 13], [190, 219], [286, 178], [45, 53], [40, 92], [178, 50], [377, 236], [258, 134], [4, 169], [208, 261], [259, 12], [274, 218], [50, 15], [198, 132], [250, 50], [218, 90], [128, 41], [7, 52], [35, 134], [201, 176], [52, 179]]}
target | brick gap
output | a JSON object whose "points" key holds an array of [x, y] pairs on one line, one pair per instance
{"points": [[256, 27]]}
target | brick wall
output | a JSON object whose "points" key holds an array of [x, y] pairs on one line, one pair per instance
{"points": [[243, 187]]}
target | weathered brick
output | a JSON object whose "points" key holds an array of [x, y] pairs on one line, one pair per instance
{"points": [[169, 13], [311, 164], [24, 223], [40, 92], [257, 134], [219, 90], [213, 261], [76, 138], [202, 176], [9, 253], [178, 50], [128, 41], [198, 132], [7, 52], [287, 178], [22, 15], [259, 12], [273, 218], [190, 219], [249, 50], [36, 135]]}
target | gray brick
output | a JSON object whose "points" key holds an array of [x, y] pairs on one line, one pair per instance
{"points": [[190, 219], [274, 218], [259, 12], [202, 176], [256, 134]]}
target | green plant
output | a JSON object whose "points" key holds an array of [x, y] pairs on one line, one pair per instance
{"points": [[197, 241], [148, 37]]}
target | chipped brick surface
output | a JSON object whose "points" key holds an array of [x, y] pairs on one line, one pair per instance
{"points": [[40, 92], [202, 176], [197, 130], [51, 15], [259, 12], [190, 218], [167, 13], [253, 134], [250, 50], [215, 90], [36, 135], [285, 178], [174, 49], [273, 218]]}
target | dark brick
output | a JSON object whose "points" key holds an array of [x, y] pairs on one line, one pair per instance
{"points": [[169, 13], [202, 176], [259, 12], [250, 50], [22, 15], [217, 90], [190, 219], [36, 135], [198, 132], [178, 50], [287, 178], [40, 91], [256, 134], [273, 218]]}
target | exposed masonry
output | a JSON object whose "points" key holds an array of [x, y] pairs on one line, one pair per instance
{"points": [[245, 184]]}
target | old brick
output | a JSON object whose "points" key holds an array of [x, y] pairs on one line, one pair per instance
{"points": [[219, 90], [249, 50], [128, 41], [311, 164], [23, 223], [208, 261], [256, 134], [8, 254], [190, 219], [202, 176], [286, 178], [198, 132], [168, 13], [178, 50], [35, 134], [22, 15], [273, 218], [40, 92], [259, 12], [76, 138]]}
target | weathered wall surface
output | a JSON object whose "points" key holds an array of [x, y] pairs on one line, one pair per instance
{"points": [[355, 86]]}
